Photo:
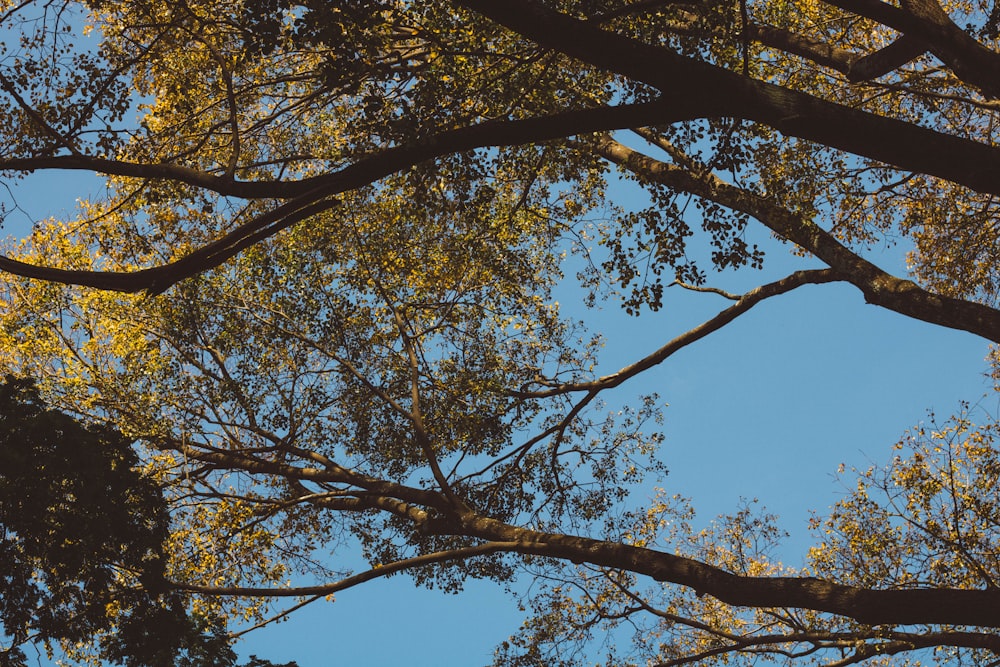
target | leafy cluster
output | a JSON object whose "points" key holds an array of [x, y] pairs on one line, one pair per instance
{"points": [[82, 548]]}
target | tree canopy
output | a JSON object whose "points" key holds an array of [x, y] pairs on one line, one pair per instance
{"points": [[78, 522], [313, 308]]}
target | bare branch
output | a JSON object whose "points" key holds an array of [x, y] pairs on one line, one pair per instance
{"points": [[376, 572], [744, 303]]}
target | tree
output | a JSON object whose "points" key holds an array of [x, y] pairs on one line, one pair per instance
{"points": [[317, 293], [78, 523]]}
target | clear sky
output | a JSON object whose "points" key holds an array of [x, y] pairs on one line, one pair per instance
{"points": [[766, 408]]}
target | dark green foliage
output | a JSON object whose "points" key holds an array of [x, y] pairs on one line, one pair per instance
{"points": [[81, 535], [258, 662]]}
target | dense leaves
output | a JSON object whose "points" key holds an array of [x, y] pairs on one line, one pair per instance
{"points": [[83, 535]]}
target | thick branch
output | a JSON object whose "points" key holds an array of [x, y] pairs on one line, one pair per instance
{"points": [[371, 168], [879, 287], [317, 195], [854, 66], [692, 89], [928, 23], [815, 50], [693, 83], [872, 607], [885, 60]]}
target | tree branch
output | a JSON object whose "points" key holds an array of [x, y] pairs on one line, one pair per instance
{"points": [[928, 23], [316, 195], [873, 607], [745, 303], [375, 573], [880, 288], [368, 169], [691, 83], [856, 67]]}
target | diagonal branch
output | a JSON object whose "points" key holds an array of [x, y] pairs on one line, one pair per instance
{"points": [[879, 287], [979, 608], [949, 606], [43, 125], [370, 168], [317, 195], [856, 67], [375, 573], [693, 83], [744, 304], [928, 23]]}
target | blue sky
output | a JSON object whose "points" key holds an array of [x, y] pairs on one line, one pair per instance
{"points": [[766, 408]]}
